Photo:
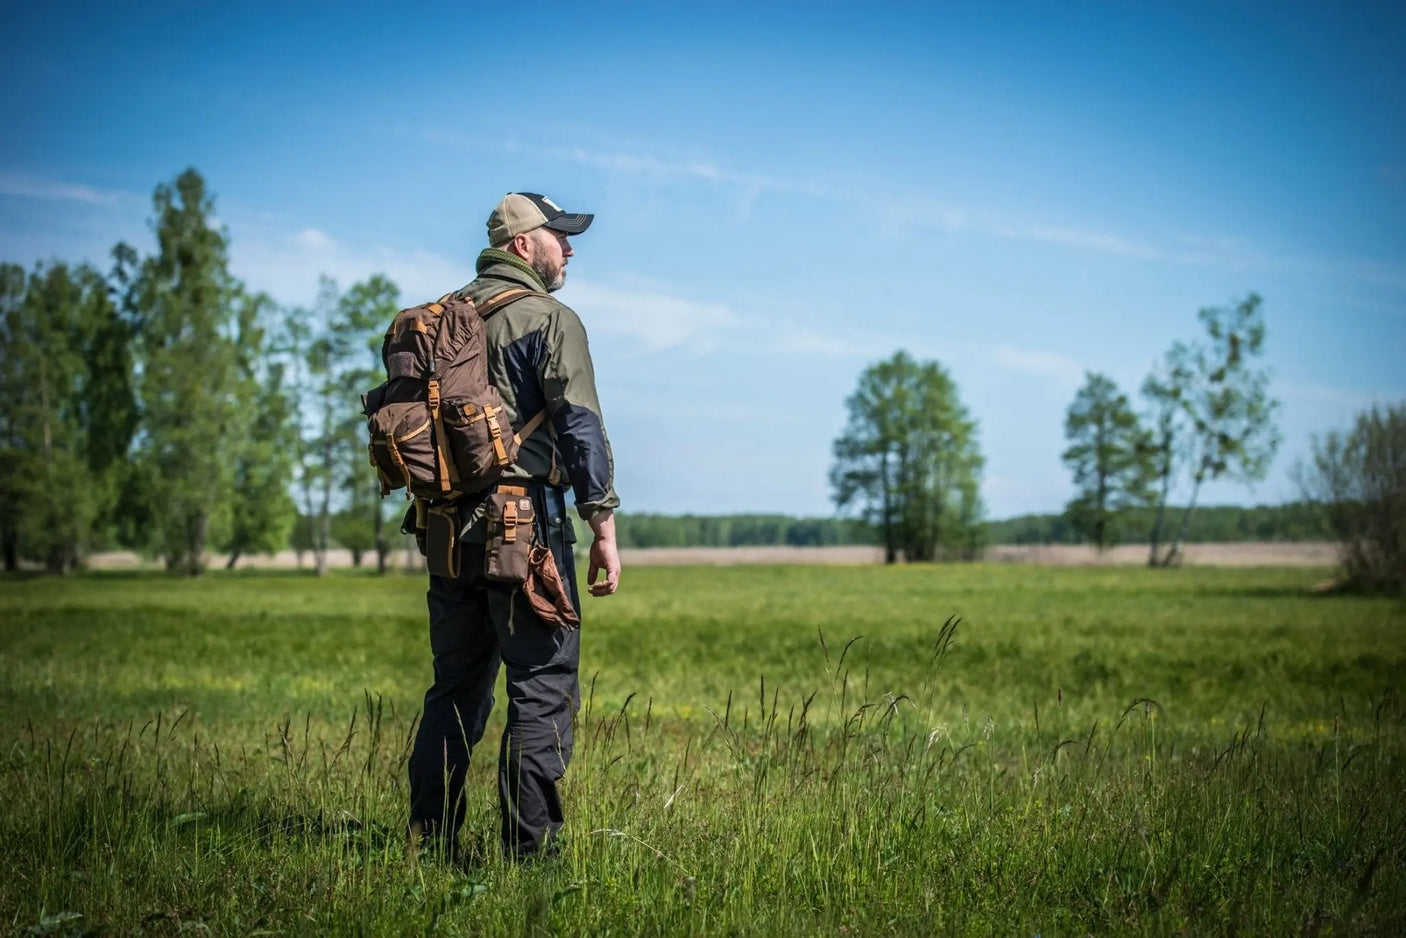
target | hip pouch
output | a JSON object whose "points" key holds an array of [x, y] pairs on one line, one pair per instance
{"points": [[510, 530], [442, 540]]}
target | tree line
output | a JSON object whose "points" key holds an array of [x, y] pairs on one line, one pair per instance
{"points": [[1295, 521], [1207, 415], [162, 406], [908, 463], [909, 460]]}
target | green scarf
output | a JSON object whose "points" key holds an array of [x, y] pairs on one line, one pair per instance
{"points": [[491, 256]]}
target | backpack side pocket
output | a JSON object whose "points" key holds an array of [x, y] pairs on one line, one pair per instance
{"points": [[403, 450]]}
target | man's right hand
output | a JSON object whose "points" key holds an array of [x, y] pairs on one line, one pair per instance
{"points": [[605, 557]]}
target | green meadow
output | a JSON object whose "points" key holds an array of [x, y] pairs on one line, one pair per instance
{"points": [[760, 750]]}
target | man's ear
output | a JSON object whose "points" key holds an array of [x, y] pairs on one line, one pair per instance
{"points": [[522, 246]]}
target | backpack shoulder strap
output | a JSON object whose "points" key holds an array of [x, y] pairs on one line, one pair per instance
{"points": [[531, 426], [498, 301]]}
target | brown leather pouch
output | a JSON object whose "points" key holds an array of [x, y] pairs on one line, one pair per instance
{"points": [[546, 592], [510, 517], [442, 541]]}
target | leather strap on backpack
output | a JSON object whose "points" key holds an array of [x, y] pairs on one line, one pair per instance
{"points": [[531, 426], [448, 472], [499, 300]]}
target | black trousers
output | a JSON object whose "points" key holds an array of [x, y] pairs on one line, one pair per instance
{"points": [[476, 625]]}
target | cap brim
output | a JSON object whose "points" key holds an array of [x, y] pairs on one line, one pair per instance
{"points": [[570, 224]]}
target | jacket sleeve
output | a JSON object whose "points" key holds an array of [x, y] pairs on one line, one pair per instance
{"points": [[569, 384]]}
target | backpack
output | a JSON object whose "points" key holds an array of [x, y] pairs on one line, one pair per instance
{"points": [[437, 426]]}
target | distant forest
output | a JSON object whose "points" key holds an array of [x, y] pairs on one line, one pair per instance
{"points": [[1291, 522]]}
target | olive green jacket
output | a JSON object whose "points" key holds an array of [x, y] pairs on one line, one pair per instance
{"points": [[538, 357]]}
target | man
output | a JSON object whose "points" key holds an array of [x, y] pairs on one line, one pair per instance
{"points": [[537, 357]]}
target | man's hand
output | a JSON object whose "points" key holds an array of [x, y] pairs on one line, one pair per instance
{"points": [[605, 557]]}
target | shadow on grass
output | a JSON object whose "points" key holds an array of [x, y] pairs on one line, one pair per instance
{"points": [[318, 830], [1332, 588]]}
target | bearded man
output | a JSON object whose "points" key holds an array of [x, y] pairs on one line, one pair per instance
{"points": [[537, 358]]}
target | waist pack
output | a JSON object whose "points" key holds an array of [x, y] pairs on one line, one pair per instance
{"points": [[437, 426]]}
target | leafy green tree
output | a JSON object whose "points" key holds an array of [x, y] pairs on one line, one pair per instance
{"points": [[1165, 389], [362, 314], [262, 507], [1110, 455], [354, 531], [68, 412], [1230, 417], [909, 458], [1358, 479], [329, 447], [338, 349], [293, 349], [190, 386], [14, 285]]}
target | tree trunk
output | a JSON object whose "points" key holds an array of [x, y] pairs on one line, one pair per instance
{"points": [[233, 559], [356, 557], [1152, 559], [1174, 554], [11, 549], [323, 535], [319, 553], [382, 548], [890, 548], [199, 527]]}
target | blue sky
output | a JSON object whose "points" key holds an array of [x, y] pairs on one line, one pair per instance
{"points": [[784, 194]]}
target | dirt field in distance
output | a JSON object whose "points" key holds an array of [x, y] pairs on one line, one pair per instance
{"points": [[1256, 554]]}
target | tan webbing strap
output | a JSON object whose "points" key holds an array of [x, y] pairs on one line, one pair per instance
{"points": [[515, 490], [441, 456], [399, 460], [531, 426], [385, 480], [499, 451], [510, 522], [497, 302], [435, 308]]}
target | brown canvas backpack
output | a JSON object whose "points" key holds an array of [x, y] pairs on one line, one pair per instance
{"points": [[437, 426]]}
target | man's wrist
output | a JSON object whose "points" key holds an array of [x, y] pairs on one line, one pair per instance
{"points": [[603, 524]]}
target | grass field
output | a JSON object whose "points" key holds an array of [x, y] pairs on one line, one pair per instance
{"points": [[761, 750]]}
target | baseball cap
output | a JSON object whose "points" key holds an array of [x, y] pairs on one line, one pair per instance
{"points": [[520, 212]]}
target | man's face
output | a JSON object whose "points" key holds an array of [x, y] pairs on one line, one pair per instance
{"points": [[549, 254]]}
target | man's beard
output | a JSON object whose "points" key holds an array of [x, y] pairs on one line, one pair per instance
{"points": [[553, 277]]}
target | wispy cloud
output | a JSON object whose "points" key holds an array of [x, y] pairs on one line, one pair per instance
{"points": [[287, 265], [1096, 241], [1040, 363], [635, 163], [651, 319], [25, 186], [896, 216]]}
